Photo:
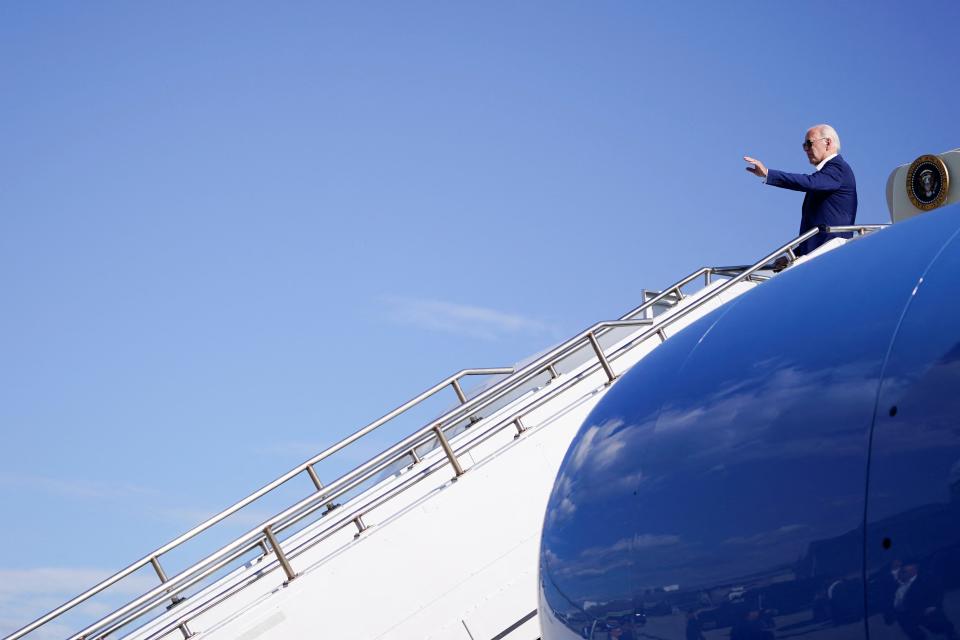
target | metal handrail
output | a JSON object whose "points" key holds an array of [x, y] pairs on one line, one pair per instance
{"points": [[248, 541], [860, 229], [139, 564], [390, 454], [317, 458]]}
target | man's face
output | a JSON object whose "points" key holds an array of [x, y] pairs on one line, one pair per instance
{"points": [[815, 146]]}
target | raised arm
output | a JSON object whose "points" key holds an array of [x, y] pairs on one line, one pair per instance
{"points": [[828, 179]]}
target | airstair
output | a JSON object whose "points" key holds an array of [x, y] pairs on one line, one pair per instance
{"points": [[434, 537]]}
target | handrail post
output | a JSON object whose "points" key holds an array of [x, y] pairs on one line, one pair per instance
{"points": [[361, 525], [174, 600], [413, 454], [314, 477], [553, 371], [463, 398], [602, 358], [647, 312], [518, 423], [448, 450], [459, 390], [163, 577], [287, 569], [707, 277], [319, 485]]}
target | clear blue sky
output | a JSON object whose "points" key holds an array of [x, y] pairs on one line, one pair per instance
{"points": [[232, 233]]}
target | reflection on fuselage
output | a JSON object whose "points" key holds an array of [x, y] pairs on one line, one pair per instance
{"points": [[720, 488]]}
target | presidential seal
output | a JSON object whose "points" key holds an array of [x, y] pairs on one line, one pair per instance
{"points": [[928, 182]]}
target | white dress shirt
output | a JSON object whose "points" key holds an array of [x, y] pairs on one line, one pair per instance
{"points": [[825, 161]]}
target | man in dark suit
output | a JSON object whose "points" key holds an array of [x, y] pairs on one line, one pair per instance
{"points": [[831, 190], [918, 604]]}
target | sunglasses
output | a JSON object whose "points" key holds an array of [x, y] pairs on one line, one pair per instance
{"points": [[809, 143]]}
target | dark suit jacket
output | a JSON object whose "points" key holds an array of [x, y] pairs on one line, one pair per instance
{"points": [[923, 593], [831, 199]]}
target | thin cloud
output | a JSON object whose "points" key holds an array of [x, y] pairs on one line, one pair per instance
{"points": [[768, 537], [51, 631], [72, 487], [26, 594], [460, 319], [65, 581]]}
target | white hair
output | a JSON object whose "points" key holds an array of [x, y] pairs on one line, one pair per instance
{"points": [[826, 131]]}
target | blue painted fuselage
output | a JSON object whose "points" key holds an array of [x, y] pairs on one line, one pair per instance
{"points": [[787, 466]]}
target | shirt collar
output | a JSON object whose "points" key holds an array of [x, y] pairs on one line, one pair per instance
{"points": [[826, 160]]}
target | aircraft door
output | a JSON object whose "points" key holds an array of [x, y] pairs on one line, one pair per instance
{"points": [[913, 497]]}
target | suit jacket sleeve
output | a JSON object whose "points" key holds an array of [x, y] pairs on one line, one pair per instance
{"points": [[827, 179]]}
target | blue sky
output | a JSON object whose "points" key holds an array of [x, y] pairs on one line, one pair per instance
{"points": [[231, 234]]}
